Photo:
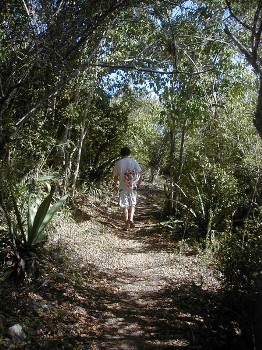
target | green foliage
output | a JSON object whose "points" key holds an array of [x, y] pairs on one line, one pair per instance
{"points": [[33, 218], [40, 216], [208, 200], [72, 69], [239, 259], [144, 133], [107, 131], [27, 216]]}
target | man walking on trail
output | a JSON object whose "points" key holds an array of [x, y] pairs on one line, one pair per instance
{"points": [[127, 178]]}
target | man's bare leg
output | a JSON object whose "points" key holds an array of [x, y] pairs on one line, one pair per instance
{"points": [[125, 213], [131, 216]]}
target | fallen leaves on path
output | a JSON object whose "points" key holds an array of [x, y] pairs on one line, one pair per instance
{"points": [[101, 288]]}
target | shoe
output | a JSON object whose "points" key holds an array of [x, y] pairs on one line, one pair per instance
{"points": [[131, 224], [126, 226]]}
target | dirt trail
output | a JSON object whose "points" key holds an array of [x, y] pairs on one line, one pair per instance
{"points": [[150, 295], [102, 288]]}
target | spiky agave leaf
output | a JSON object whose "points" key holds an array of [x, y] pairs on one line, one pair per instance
{"points": [[32, 209], [39, 217], [41, 226]]}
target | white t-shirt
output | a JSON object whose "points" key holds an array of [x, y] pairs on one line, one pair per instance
{"points": [[128, 172]]}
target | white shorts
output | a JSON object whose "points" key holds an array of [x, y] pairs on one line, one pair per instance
{"points": [[127, 198]]}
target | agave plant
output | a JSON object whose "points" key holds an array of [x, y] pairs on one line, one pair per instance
{"points": [[39, 214], [31, 229], [39, 217]]}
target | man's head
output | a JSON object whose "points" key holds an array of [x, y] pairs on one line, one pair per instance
{"points": [[125, 152]]}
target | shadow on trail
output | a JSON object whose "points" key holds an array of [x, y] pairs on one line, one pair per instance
{"points": [[183, 316], [96, 316], [176, 317]]}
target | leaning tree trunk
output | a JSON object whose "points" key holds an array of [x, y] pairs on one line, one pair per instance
{"points": [[79, 152], [180, 164]]}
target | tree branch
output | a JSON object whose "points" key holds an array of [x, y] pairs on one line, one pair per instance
{"points": [[248, 55], [243, 24], [257, 29], [140, 69], [86, 66]]}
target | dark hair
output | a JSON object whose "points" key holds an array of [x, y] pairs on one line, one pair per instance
{"points": [[125, 151]]}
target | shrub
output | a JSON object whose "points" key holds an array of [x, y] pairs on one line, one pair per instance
{"points": [[239, 259]]}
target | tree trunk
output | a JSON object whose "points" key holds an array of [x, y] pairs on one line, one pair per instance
{"points": [[256, 314], [79, 152], [258, 112], [172, 170], [180, 165]]}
